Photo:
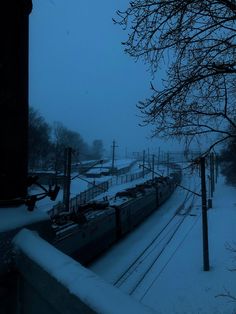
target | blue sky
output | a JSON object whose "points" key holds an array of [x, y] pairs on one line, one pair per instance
{"points": [[79, 74]]}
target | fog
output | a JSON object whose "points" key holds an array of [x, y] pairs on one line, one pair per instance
{"points": [[80, 75]]}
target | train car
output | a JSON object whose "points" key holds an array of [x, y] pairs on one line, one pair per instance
{"points": [[95, 226], [134, 205], [132, 209], [84, 241], [164, 190]]}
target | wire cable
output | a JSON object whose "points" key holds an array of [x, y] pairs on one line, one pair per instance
{"points": [[170, 258]]}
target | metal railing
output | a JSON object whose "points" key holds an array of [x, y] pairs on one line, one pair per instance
{"points": [[96, 190]]}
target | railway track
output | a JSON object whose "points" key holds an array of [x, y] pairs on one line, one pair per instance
{"points": [[132, 278]]}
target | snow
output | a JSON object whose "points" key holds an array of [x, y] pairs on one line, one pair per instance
{"points": [[80, 184], [106, 167], [77, 185], [119, 163], [16, 217], [176, 283], [81, 282], [97, 170], [11, 218], [121, 187]]}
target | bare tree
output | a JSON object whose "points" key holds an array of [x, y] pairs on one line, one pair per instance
{"points": [[228, 160], [64, 137], [196, 41], [97, 149], [39, 143]]}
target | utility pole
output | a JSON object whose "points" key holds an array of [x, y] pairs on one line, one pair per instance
{"points": [[159, 156], [67, 178], [153, 166], [14, 32], [113, 156], [216, 168], [206, 266], [212, 173], [209, 193], [143, 162], [168, 161]]}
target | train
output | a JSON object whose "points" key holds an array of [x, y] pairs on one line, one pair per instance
{"points": [[92, 228]]}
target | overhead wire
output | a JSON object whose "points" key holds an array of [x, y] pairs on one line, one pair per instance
{"points": [[172, 255]]}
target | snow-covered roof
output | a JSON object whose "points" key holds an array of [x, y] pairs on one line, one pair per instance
{"points": [[119, 163]]}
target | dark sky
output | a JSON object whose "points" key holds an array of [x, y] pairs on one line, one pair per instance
{"points": [[79, 74]]}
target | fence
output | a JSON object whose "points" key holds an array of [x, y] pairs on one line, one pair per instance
{"points": [[96, 190], [89, 194], [127, 178]]}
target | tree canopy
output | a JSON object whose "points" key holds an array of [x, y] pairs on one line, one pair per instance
{"points": [[39, 141], [196, 42], [228, 161], [47, 144]]}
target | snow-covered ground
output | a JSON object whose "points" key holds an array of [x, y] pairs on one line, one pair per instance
{"points": [[16, 217], [176, 282], [80, 183], [11, 218], [77, 186]]}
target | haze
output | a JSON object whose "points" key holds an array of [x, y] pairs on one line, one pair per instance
{"points": [[79, 74]]}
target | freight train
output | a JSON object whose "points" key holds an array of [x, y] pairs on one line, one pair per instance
{"points": [[94, 227]]}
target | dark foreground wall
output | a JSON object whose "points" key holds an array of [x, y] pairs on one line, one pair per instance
{"points": [[14, 97]]}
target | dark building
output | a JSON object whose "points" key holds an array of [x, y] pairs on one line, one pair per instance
{"points": [[14, 98]]}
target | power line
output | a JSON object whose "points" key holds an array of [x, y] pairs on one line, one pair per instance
{"points": [[172, 255]]}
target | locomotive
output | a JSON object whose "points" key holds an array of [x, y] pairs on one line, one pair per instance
{"points": [[94, 227]]}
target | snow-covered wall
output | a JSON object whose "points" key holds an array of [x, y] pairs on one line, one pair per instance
{"points": [[12, 220], [51, 282]]}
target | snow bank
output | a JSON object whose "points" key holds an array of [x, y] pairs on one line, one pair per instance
{"points": [[16, 217], [81, 282], [177, 283]]}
